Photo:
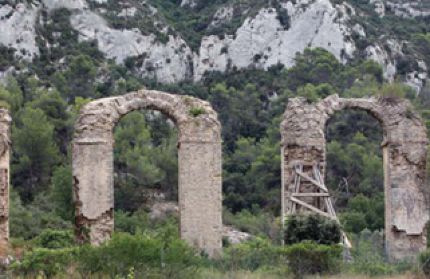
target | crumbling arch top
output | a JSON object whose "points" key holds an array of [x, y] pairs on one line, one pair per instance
{"points": [[195, 118]]}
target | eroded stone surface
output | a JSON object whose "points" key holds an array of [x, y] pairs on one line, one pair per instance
{"points": [[404, 148], [199, 158], [5, 121]]}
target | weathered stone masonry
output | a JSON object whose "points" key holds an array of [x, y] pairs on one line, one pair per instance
{"points": [[404, 151], [199, 155], [5, 122]]}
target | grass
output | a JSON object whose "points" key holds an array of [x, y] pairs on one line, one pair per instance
{"points": [[278, 274], [347, 276]]}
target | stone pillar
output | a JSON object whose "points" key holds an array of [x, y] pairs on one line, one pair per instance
{"points": [[200, 195], [406, 202], [5, 121], [93, 190]]}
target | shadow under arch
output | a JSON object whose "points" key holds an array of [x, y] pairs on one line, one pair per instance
{"points": [[404, 160], [199, 160]]}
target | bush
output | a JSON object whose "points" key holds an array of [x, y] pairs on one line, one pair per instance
{"points": [[369, 256], [424, 260], [258, 223], [313, 228], [158, 256], [163, 255], [196, 111], [310, 258], [45, 262], [55, 239], [251, 256]]}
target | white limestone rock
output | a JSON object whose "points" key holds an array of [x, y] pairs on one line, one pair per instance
{"points": [[408, 8], [17, 25], [379, 7], [262, 41], [161, 210], [380, 56], [235, 236], [167, 63], [68, 4], [359, 30], [189, 3], [128, 12], [17, 29], [417, 79], [222, 15]]}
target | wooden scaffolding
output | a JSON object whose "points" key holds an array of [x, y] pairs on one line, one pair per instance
{"points": [[309, 191]]}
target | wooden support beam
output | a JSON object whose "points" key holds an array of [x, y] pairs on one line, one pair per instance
{"points": [[312, 208], [310, 195], [313, 181]]}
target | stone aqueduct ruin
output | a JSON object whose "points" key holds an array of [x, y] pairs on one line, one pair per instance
{"points": [[199, 155], [404, 158]]}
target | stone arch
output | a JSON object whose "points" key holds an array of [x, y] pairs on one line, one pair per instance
{"points": [[199, 160], [5, 123], [404, 155]]}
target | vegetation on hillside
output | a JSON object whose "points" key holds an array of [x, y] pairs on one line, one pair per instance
{"points": [[45, 96]]}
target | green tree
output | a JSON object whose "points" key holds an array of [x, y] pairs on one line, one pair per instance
{"points": [[311, 227], [314, 66], [146, 157], [78, 79], [61, 192], [12, 94], [35, 152], [56, 111], [28, 221]]}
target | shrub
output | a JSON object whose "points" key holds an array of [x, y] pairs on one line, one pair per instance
{"points": [[310, 258], [284, 18], [311, 227], [196, 111], [395, 91], [369, 256], [424, 260], [259, 223], [55, 239], [251, 255], [45, 262], [162, 255]]}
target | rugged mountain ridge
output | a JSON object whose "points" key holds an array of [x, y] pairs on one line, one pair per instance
{"points": [[233, 36]]}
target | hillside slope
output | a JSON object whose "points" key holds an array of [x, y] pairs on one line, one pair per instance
{"points": [[172, 41]]}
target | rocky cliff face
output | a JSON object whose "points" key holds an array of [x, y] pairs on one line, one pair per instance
{"points": [[263, 41], [267, 36]]}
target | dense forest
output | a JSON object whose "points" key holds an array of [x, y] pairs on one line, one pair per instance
{"points": [[44, 97], [250, 104]]}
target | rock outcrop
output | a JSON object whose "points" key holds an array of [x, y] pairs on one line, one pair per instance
{"points": [[234, 236], [166, 62], [263, 41]]}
